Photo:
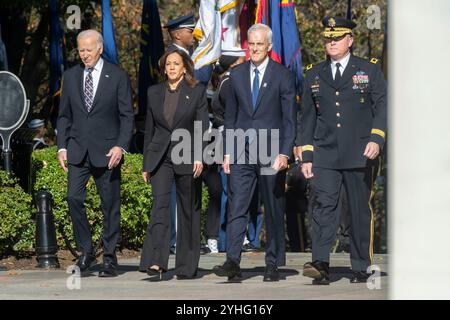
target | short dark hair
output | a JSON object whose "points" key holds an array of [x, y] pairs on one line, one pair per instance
{"points": [[187, 63]]}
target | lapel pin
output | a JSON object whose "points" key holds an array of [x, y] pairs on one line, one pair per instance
{"points": [[265, 84], [187, 97], [107, 75]]}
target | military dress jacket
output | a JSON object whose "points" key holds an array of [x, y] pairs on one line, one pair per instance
{"points": [[339, 120]]}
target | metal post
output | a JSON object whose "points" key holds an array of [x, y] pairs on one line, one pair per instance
{"points": [[7, 159], [46, 246]]}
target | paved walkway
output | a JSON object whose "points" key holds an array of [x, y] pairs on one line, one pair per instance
{"points": [[55, 284]]}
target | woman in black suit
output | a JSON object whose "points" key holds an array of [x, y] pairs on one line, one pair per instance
{"points": [[175, 107]]}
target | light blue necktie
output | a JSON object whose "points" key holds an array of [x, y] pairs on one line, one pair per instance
{"points": [[255, 89]]}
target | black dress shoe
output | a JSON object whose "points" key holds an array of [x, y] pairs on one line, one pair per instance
{"points": [[359, 277], [229, 269], [249, 248], [271, 274], [319, 271], [204, 250], [185, 277], [108, 270], [85, 261]]}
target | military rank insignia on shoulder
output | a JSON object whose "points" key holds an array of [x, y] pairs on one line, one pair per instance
{"points": [[374, 60], [309, 67]]}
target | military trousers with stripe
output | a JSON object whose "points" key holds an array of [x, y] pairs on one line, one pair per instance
{"points": [[326, 187]]}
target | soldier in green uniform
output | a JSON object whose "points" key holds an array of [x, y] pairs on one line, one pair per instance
{"points": [[341, 133]]}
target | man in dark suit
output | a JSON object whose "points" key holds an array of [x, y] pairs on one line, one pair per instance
{"points": [[343, 128], [261, 102], [95, 125]]}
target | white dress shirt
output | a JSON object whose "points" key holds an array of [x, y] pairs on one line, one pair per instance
{"points": [[343, 62], [261, 68], [95, 74]]}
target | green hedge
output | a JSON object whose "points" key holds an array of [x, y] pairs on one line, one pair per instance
{"points": [[16, 211], [136, 199]]}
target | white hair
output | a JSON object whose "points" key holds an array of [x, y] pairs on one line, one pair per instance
{"points": [[91, 33], [260, 26]]}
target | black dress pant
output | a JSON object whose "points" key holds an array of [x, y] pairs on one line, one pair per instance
{"points": [[326, 213], [156, 249], [108, 186], [210, 175], [243, 182]]}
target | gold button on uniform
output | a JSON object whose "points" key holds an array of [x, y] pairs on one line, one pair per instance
{"points": [[338, 114], [337, 104], [337, 93], [338, 125]]}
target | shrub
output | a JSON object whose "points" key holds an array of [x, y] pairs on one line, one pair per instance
{"points": [[136, 201], [16, 210]]}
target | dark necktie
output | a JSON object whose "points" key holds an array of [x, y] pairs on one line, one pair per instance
{"points": [[89, 90], [337, 76], [255, 88]]}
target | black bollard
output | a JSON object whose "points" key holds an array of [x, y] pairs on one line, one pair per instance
{"points": [[46, 246]]}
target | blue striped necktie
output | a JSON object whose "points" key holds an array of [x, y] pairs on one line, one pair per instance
{"points": [[89, 90]]}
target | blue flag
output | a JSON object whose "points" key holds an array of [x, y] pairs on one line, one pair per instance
{"points": [[3, 56], [349, 9], [109, 43], [286, 48], [57, 62], [292, 47], [152, 48]]}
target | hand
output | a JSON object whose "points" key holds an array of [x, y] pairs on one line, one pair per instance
{"points": [[198, 167], [146, 176], [62, 158], [372, 150], [297, 153], [307, 170], [116, 154], [226, 164], [281, 163]]}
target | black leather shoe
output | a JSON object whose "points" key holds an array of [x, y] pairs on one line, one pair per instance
{"points": [[271, 274], [249, 248], [108, 270], [204, 250], [85, 261], [359, 277], [319, 271], [185, 277], [229, 269]]}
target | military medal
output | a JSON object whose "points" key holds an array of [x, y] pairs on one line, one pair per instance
{"points": [[360, 80]]}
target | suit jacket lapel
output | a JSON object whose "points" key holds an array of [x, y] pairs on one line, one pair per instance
{"points": [[102, 82], [326, 74], [184, 100], [80, 76], [245, 76], [264, 83]]}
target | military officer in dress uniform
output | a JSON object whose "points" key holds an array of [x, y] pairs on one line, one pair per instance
{"points": [[39, 126], [341, 133], [181, 32]]}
